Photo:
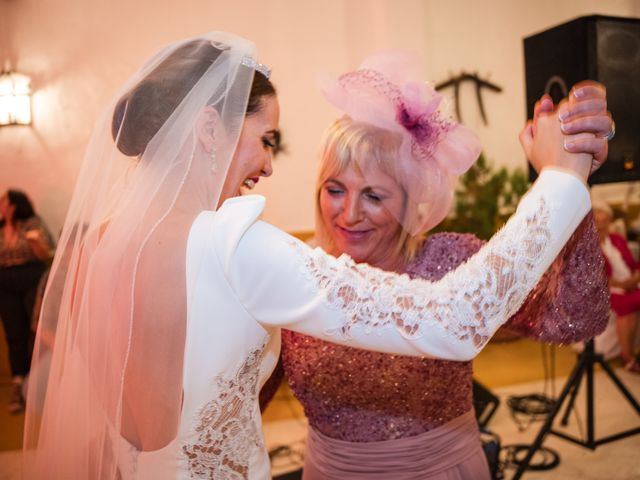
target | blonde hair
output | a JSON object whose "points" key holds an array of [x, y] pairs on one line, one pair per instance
{"points": [[348, 143]]}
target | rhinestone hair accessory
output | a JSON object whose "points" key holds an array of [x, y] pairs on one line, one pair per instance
{"points": [[260, 67], [388, 92]]}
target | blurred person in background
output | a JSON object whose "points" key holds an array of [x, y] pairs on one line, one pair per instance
{"points": [[26, 247], [624, 274]]}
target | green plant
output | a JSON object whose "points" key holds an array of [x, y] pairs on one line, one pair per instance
{"points": [[485, 199]]}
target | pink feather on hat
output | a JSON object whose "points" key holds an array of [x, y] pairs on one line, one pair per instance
{"points": [[388, 92]]}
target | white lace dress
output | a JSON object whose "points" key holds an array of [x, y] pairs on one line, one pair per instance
{"points": [[246, 279]]}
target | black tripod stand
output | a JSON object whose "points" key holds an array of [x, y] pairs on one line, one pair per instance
{"points": [[584, 366]]}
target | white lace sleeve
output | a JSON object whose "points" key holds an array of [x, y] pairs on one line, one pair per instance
{"points": [[283, 282]]}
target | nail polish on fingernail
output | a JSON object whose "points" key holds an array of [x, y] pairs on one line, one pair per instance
{"points": [[578, 93]]}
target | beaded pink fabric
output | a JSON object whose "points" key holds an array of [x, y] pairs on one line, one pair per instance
{"points": [[361, 396]]}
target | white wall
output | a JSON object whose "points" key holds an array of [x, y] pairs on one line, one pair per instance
{"points": [[79, 51]]}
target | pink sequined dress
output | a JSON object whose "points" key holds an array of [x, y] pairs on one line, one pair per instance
{"points": [[357, 396]]}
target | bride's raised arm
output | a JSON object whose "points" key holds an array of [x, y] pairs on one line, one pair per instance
{"points": [[284, 283]]}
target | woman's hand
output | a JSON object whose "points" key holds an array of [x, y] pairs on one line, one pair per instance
{"points": [[585, 112], [32, 236], [544, 144], [38, 245], [628, 285]]}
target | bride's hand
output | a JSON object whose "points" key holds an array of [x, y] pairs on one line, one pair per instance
{"points": [[546, 148], [586, 111]]}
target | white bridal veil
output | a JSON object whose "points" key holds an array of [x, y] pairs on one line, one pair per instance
{"points": [[109, 351]]}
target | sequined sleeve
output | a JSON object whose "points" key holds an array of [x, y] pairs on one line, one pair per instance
{"points": [[282, 282], [571, 301]]}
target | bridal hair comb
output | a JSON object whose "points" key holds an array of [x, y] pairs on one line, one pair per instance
{"points": [[260, 67]]}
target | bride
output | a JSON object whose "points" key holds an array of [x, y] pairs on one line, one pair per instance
{"points": [[149, 364]]}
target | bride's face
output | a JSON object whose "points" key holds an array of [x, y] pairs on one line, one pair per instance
{"points": [[254, 153]]}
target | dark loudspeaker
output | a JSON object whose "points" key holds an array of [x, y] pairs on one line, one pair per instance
{"points": [[606, 49]]}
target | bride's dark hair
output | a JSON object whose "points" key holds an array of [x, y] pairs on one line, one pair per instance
{"points": [[150, 103]]}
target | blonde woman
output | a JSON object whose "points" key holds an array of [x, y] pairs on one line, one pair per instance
{"points": [[384, 180]]}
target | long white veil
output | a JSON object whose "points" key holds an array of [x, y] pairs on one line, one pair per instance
{"points": [[109, 351]]}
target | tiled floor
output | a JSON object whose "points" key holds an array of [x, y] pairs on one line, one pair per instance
{"points": [[617, 460]]}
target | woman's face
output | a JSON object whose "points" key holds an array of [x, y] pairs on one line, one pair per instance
{"points": [[252, 158], [360, 215]]}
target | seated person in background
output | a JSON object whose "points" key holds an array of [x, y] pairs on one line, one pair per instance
{"points": [[624, 274]]}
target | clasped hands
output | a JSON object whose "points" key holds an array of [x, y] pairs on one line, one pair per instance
{"points": [[574, 135]]}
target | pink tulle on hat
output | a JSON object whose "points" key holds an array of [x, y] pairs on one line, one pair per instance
{"points": [[387, 91]]}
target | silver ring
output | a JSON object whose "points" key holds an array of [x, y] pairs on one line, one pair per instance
{"points": [[609, 136]]}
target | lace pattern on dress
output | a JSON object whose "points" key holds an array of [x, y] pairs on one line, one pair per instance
{"points": [[225, 427], [467, 303]]}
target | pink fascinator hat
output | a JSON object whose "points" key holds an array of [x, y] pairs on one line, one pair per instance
{"points": [[388, 92]]}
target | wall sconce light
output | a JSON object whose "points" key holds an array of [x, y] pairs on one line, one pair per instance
{"points": [[15, 99]]}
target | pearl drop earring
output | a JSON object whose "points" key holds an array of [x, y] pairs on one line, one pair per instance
{"points": [[212, 154]]}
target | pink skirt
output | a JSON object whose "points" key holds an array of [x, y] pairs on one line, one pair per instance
{"points": [[452, 451]]}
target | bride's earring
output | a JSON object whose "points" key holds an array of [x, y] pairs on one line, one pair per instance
{"points": [[212, 154]]}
